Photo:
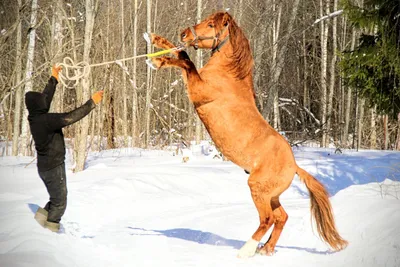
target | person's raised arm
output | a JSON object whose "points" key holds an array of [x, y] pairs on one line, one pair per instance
{"points": [[59, 120], [51, 85]]}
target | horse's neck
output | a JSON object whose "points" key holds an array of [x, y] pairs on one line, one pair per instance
{"points": [[223, 55]]}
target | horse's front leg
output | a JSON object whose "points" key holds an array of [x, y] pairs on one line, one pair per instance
{"points": [[198, 92], [185, 65], [163, 43]]}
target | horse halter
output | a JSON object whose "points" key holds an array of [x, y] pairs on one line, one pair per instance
{"points": [[215, 46]]}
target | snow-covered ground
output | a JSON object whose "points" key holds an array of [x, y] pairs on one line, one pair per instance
{"points": [[132, 207]]}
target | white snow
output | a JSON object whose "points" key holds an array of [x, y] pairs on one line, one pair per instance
{"points": [[132, 207]]}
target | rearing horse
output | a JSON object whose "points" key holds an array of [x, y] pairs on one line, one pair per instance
{"points": [[223, 95]]}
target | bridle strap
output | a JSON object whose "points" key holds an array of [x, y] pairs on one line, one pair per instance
{"points": [[215, 47], [221, 44]]}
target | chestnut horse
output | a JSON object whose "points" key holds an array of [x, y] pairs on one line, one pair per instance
{"points": [[223, 95]]}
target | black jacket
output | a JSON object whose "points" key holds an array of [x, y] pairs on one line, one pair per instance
{"points": [[46, 128]]}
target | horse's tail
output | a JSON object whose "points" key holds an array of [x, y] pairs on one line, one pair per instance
{"points": [[321, 210]]}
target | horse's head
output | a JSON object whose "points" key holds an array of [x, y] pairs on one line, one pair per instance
{"points": [[209, 33]]}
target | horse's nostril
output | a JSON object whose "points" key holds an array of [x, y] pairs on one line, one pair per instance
{"points": [[183, 35]]}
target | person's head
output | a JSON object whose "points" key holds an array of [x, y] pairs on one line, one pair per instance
{"points": [[36, 103]]}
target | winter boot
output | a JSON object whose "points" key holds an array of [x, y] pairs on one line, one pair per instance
{"points": [[41, 216], [52, 226]]}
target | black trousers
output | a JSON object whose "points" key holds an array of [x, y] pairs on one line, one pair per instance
{"points": [[56, 184]]}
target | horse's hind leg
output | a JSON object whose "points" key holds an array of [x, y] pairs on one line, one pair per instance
{"points": [[281, 218], [260, 193]]}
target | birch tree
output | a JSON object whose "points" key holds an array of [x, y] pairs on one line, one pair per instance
{"points": [[124, 94], [18, 79], [259, 52], [109, 94], [360, 121], [333, 75], [323, 75], [373, 127], [148, 80], [56, 51], [199, 60], [279, 65], [348, 98], [25, 138], [135, 103], [90, 11], [239, 11]]}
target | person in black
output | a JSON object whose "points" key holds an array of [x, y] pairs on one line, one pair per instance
{"points": [[46, 130]]}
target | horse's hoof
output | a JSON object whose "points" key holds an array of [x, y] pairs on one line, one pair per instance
{"points": [[147, 37], [248, 250], [150, 64], [266, 251]]}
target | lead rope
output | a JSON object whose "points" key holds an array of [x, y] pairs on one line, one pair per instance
{"points": [[75, 72]]}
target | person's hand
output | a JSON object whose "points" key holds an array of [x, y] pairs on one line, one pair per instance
{"points": [[96, 97], [55, 71]]}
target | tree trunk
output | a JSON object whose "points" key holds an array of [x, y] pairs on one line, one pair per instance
{"points": [[259, 46], [109, 122], [56, 53], [239, 11], [360, 122], [348, 101], [18, 79], [269, 108], [385, 132], [135, 107], [199, 59], [7, 115], [124, 94], [373, 128], [279, 65], [306, 98], [341, 87], [25, 139], [398, 132], [332, 76], [90, 11], [323, 77], [148, 82]]}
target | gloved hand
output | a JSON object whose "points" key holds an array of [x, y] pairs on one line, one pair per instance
{"points": [[55, 70], [96, 97]]}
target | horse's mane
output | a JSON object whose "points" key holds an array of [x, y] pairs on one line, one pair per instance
{"points": [[242, 59]]}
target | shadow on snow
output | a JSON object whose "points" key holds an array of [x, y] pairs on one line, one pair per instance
{"points": [[208, 238], [339, 171]]}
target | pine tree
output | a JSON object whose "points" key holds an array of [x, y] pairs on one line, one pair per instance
{"points": [[373, 68]]}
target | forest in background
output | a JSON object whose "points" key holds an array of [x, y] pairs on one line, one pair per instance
{"points": [[307, 85]]}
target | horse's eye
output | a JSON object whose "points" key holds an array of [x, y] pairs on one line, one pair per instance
{"points": [[210, 25]]}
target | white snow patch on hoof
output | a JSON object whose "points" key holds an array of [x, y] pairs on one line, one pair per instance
{"points": [[248, 250]]}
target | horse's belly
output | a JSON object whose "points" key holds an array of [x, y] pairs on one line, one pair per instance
{"points": [[231, 135]]}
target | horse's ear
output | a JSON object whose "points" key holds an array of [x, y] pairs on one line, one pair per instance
{"points": [[226, 19]]}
